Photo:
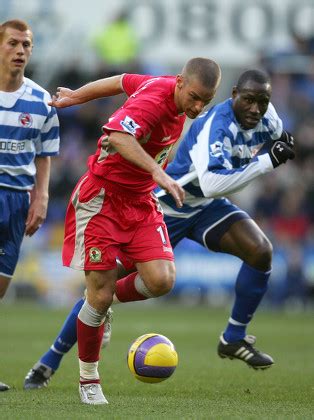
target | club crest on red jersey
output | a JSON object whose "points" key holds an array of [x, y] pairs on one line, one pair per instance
{"points": [[129, 125], [25, 119]]}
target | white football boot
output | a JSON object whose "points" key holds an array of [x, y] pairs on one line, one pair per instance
{"points": [[92, 394], [108, 329]]}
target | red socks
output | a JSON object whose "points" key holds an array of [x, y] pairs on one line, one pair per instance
{"points": [[126, 291], [89, 341]]}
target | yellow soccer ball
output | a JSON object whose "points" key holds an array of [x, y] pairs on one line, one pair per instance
{"points": [[152, 358]]}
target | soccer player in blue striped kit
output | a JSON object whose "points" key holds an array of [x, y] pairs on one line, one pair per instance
{"points": [[29, 135], [225, 149]]}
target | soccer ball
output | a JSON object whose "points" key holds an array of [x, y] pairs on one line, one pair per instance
{"points": [[152, 358]]}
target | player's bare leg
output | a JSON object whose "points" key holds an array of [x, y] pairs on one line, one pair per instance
{"points": [[4, 284]]}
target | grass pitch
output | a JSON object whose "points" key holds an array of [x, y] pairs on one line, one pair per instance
{"points": [[203, 386]]}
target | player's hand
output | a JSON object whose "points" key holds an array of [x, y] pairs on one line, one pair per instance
{"points": [[62, 98], [287, 138], [280, 152], [36, 214], [170, 186]]}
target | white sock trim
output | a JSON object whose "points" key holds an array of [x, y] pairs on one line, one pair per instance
{"points": [[234, 322], [90, 316], [141, 287], [88, 370], [56, 351]]}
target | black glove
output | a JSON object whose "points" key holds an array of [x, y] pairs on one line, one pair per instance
{"points": [[287, 138], [280, 152]]}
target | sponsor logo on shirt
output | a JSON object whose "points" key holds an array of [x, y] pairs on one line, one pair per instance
{"points": [[255, 150], [25, 119], [162, 156], [95, 255], [129, 125], [12, 146]]}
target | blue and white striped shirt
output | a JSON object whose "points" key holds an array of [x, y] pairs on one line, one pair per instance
{"points": [[217, 157], [28, 128]]}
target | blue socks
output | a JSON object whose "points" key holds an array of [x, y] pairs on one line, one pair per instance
{"points": [[65, 340], [251, 285]]}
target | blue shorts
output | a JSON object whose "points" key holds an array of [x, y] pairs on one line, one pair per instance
{"points": [[212, 222], [14, 207]]}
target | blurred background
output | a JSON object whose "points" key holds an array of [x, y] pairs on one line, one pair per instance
{"points": [[78, 41]]}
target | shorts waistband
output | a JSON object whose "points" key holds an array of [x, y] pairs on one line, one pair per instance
{"points": [[2, 187], [114, 188]]}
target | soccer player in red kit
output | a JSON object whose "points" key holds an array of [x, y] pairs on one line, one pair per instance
{"points": [[113, 209]]}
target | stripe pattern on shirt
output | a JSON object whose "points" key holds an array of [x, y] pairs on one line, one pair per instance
{"points": [[217, 157], [29, 127]]}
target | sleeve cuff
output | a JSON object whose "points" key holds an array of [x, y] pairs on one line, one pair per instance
{"points": [[121, 82], [266, 163]]}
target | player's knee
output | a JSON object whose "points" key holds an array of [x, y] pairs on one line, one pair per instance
{"points": [[100, 289], [261, 257], [100, 299], [104, 297], [162, 282]]}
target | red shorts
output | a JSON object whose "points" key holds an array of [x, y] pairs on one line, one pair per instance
{"points": [[102, 223]]}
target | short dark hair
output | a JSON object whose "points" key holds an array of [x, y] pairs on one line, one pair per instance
{"points": [[206, 70], [255, 75], [18, 24]]}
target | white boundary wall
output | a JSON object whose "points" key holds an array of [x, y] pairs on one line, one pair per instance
{"points": [[231, 31]]}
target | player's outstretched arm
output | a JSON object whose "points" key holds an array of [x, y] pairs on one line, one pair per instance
{"points": [[101, 88], [169, 185], [128, 147], [219, 180]]}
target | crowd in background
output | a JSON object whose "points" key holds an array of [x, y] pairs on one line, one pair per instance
{"points": [[282, 202]]}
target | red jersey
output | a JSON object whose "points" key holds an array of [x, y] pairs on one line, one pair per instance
{"points": [[151, 116]]}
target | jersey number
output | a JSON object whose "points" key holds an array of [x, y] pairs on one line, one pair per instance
{"points": [[162, 235]]}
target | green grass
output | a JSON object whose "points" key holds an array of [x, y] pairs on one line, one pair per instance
{"points": [[203, 386]]}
